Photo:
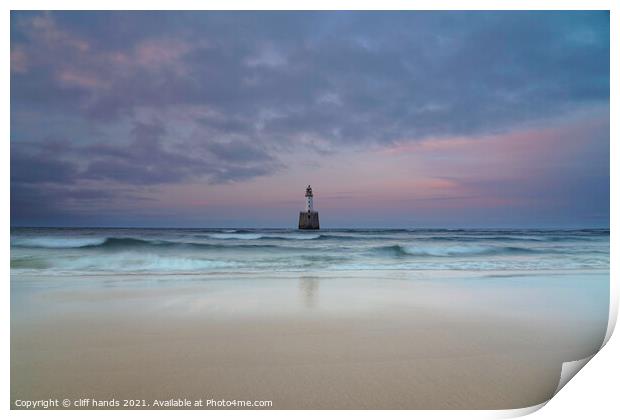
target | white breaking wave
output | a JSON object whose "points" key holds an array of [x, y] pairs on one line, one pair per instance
{"points": [[132, 262], [446, 251], [301, 236], [55, 242], [243, 236], [253, 236]]}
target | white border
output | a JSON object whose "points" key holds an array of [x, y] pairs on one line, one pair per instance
{"points": [[594, 392]]}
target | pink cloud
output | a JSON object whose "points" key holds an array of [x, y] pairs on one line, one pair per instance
{"points": [[160, 52], [82, 65], [71, 77], [45, 30], [507, 154], [19, 61]]}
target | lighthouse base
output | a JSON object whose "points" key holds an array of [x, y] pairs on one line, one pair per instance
{"points": [[309, 220]]}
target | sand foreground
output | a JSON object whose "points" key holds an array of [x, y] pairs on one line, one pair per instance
{"points": [[337, 340]]}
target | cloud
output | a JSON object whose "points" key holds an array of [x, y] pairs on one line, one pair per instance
{"points": [[563, 166], [395, 74], [164, 98], [99, 171], [19, 63], [40, 168]]}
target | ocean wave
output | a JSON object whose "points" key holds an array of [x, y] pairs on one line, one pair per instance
{"points": [[354, 237], [146, 262], [120, 243], [454, 251], [55, 242], [265, 236], [507, 238], [243, 236], [51, 251], [150, 263], [471, 238], [129, 243]]}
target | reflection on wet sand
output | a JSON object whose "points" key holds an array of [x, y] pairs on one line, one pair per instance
{"points": [[309, 286]]}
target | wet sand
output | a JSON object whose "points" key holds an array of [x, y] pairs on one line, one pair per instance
{"points": [[374, 340]]}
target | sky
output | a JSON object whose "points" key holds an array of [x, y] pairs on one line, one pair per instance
{"points": [[396, 119]]}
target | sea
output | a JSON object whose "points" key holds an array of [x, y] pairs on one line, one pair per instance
{"points": [[79, 251]]}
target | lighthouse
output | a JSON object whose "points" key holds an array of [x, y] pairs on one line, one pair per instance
{"points": [[309, 219], [309, 204]]}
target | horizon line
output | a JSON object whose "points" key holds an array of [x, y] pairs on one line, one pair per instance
{"points": [[327, 228]]}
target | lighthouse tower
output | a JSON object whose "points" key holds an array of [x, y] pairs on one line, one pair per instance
{"points": [[309, 207], [309, 219]]}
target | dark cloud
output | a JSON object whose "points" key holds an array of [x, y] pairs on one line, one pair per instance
{"points": [[239, 152], [145, 160], [45, 180], [40, 168], [154, 98], [69, 205], [388, 74]]}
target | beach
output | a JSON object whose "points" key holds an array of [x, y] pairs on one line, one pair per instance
{"points": [[307, 341], [306, 209]]}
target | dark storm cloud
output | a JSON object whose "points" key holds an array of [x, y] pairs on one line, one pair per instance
{"points": [[348, 77], [69, 205], [150, 98], [47, 183], [40, 168], [239, 152], [144, 160]]}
